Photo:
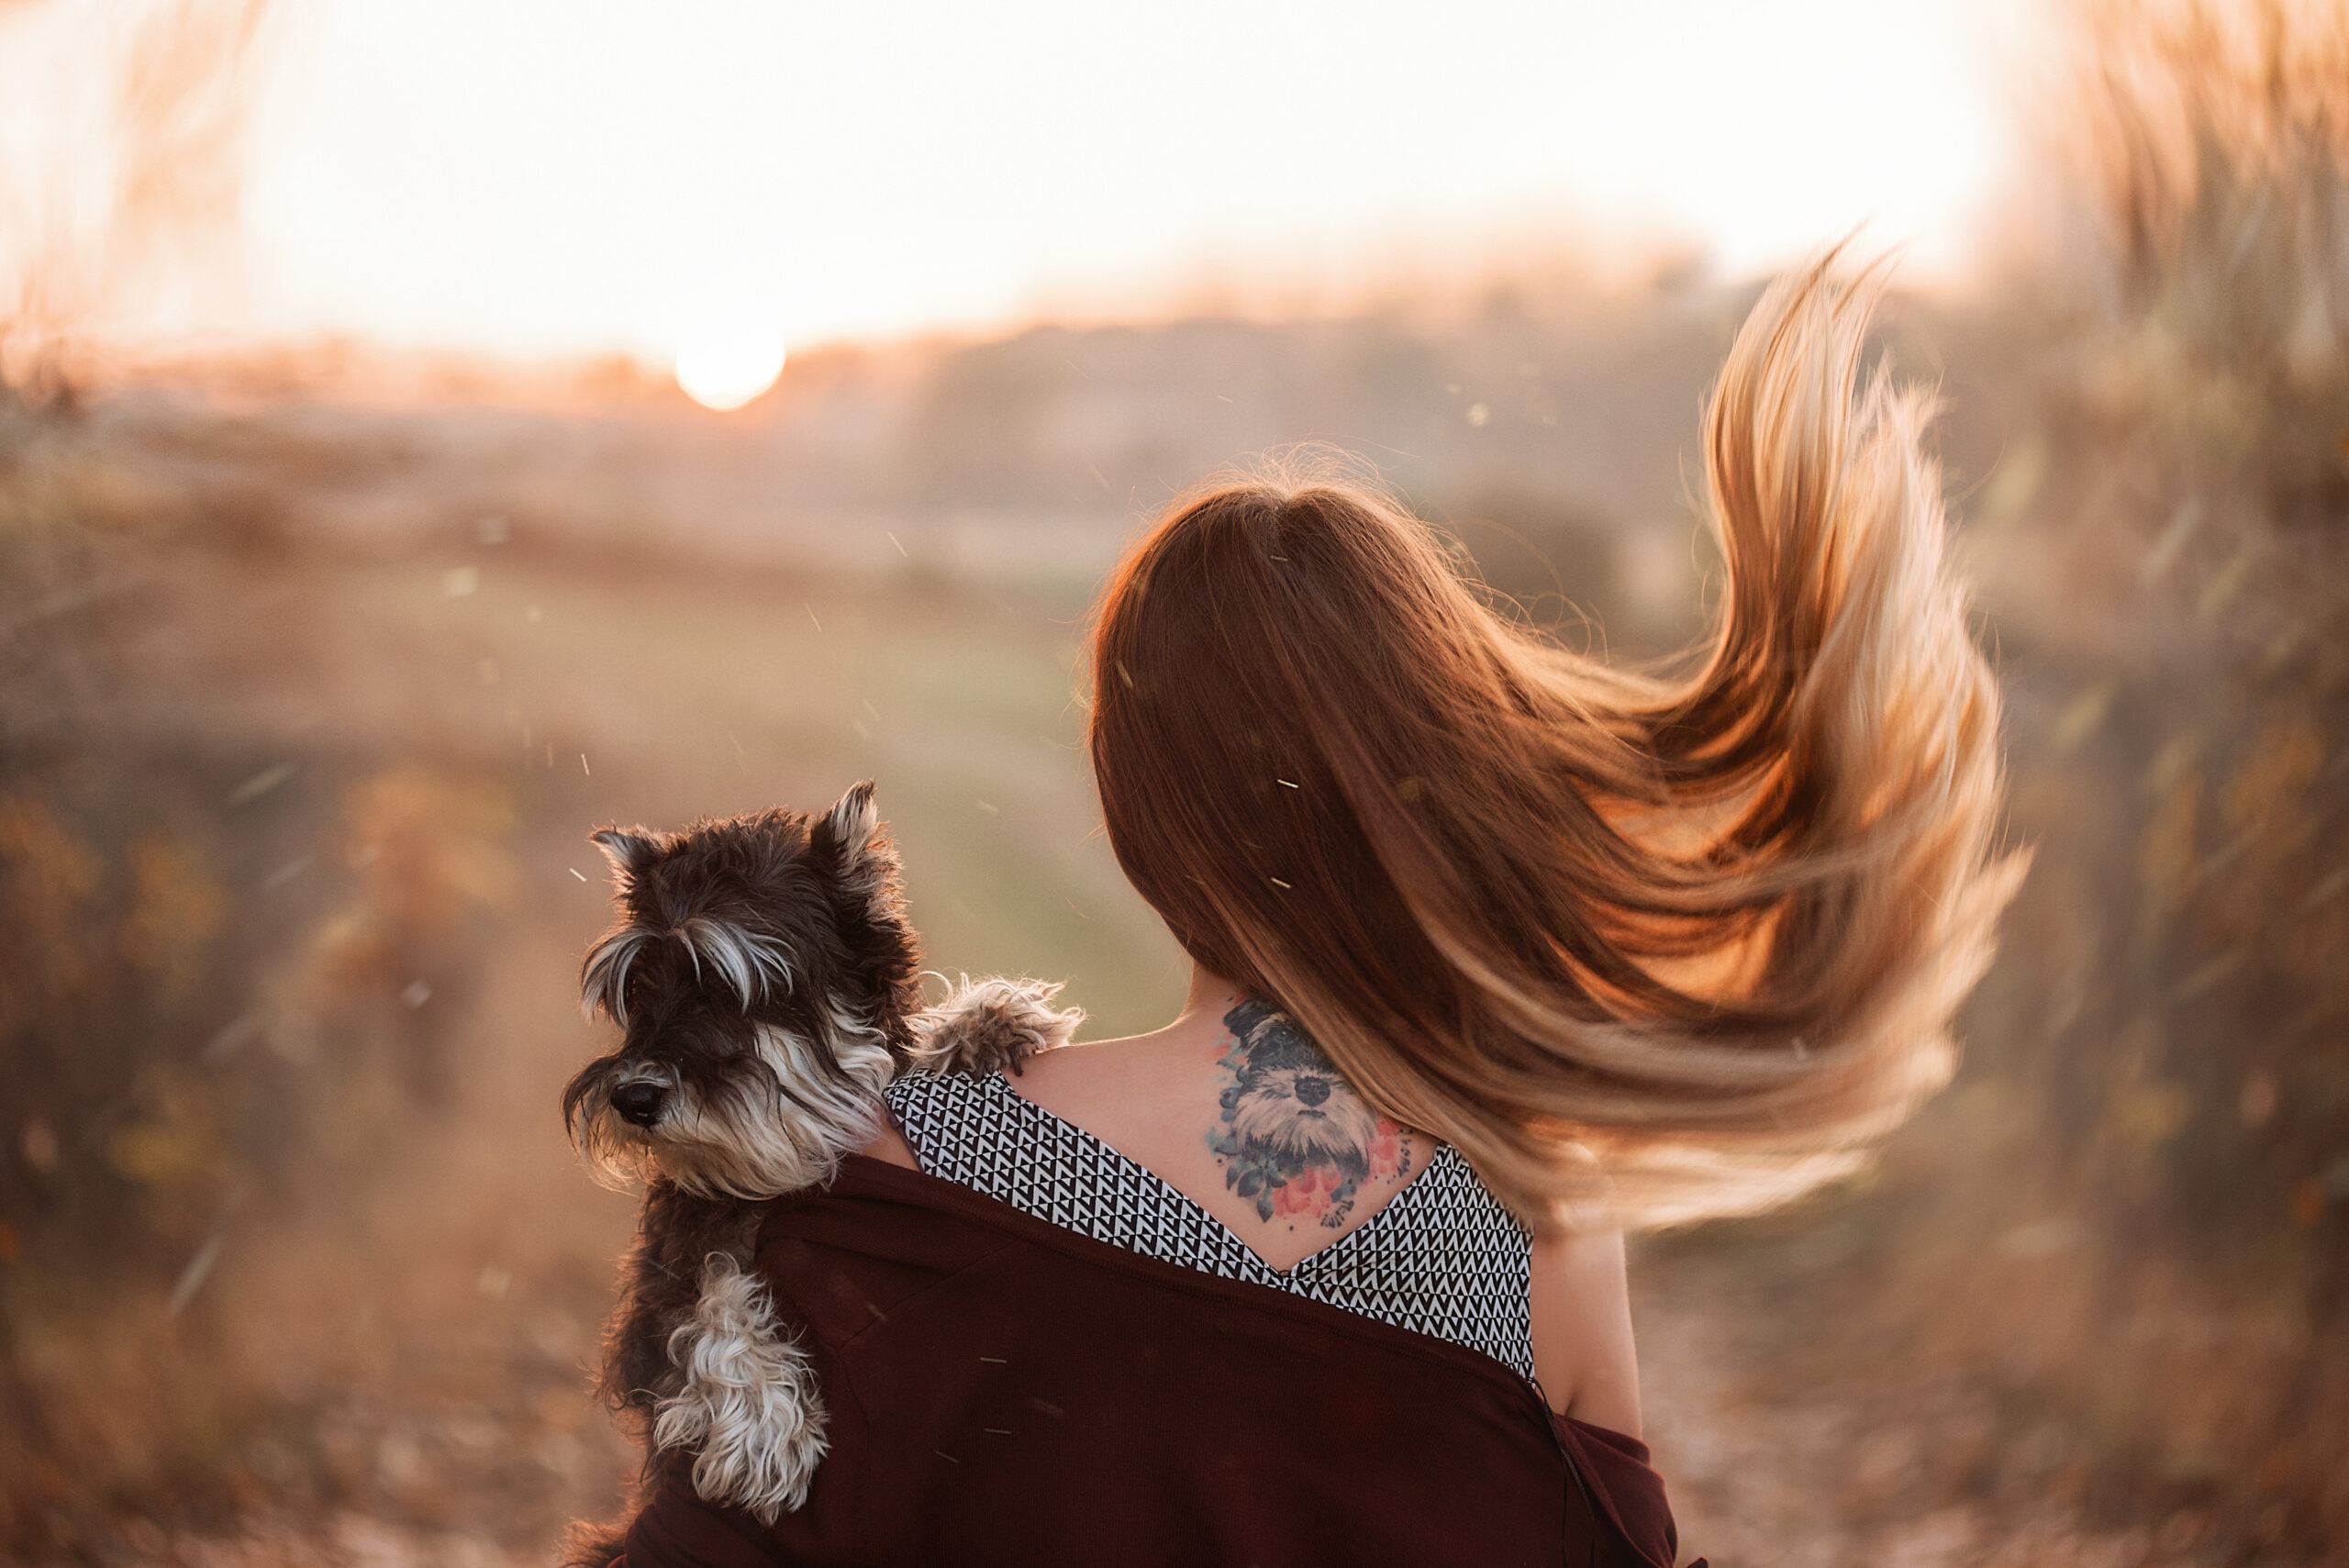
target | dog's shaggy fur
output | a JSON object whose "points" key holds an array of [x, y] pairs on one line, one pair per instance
{"points": [[766, 979]]}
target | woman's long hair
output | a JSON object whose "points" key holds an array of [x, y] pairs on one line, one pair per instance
{"points": [[1643, 948]]}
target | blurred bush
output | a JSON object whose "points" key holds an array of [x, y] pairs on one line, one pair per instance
{"points": [[2138, 1237], [2213, 393], [181, 1059]]}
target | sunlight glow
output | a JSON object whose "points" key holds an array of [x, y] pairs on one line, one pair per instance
{"points": [[543, 177], [723, 366]]}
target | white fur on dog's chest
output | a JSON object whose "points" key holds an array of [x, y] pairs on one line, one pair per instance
{"points": [[749, 1406]]}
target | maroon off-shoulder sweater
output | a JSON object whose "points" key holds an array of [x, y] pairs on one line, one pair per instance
{"points": [[1004, 1392]]}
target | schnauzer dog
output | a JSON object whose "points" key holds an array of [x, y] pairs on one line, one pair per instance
{"points": [[767, 983]]}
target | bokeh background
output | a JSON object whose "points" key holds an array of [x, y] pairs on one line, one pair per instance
{"points": [[361, 549]]}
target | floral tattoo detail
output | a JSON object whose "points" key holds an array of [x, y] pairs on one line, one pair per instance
{"points": [[1293, 1134]]}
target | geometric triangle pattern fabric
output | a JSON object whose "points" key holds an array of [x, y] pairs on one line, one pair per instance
{"points": [[1444, 1258]]}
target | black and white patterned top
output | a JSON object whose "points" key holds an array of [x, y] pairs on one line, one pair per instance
{"points": [[1444, 1258]]}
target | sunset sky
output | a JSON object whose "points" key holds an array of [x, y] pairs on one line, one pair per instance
{"points": [[570, 176]]}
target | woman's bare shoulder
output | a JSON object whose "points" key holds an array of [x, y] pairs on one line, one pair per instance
{"points": [[1580, 1305], [1074, 1080], [889, 1147]]}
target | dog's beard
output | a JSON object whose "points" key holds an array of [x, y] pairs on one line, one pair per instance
{"points": [[778, 1123], [1338, 1131]]}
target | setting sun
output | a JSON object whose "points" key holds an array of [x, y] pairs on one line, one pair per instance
{"points": [[725, 367]]}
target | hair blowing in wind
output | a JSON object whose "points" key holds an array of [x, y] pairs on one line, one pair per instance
{"points": [[1645, 947]]}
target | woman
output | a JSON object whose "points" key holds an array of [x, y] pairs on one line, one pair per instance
{"points": [[1497, 950]]}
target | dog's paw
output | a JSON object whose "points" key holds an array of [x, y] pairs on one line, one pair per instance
{"points": [[989, 1025], [749, 1408]]}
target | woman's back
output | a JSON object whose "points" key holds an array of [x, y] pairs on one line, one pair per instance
{"points": [[1241, 1113], [1228, 1142]]}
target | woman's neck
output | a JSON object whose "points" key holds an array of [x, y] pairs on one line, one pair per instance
{"points": [[1211, 996]]}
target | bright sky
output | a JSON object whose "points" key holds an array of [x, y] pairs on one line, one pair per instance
{"points": [[582, 175]]}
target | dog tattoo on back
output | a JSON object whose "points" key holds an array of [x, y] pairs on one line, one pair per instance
{"points": [[1291, 1133], [765, 979]]}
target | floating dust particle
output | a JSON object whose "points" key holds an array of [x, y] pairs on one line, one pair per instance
{"points": [[534, 615], [576, 871], [995, 1361], [1284, 784], [235, 1035], [582, 764], [2256, 1104], [862, 733], [2082, 716], [261, 783], [1479, 415], [458, 582], [192, 1278], [811, 615], [2174, 539], [989, 806], [1410, 788], [1125, 674], [997, 1431], [2332, 887], [1276, 882], [946, 1456], [893, 540]]}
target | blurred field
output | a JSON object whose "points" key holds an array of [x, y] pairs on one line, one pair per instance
{"points": [[314, 674]]}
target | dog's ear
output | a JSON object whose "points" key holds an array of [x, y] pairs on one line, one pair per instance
{"points": [[845, 836], [629, 850]]}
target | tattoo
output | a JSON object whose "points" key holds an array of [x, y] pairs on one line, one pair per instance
{"points": [[1293, 1134]]}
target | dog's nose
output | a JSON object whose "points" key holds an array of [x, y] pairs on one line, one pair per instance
{"points": [[1312, 1091], [639, 1101]]}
